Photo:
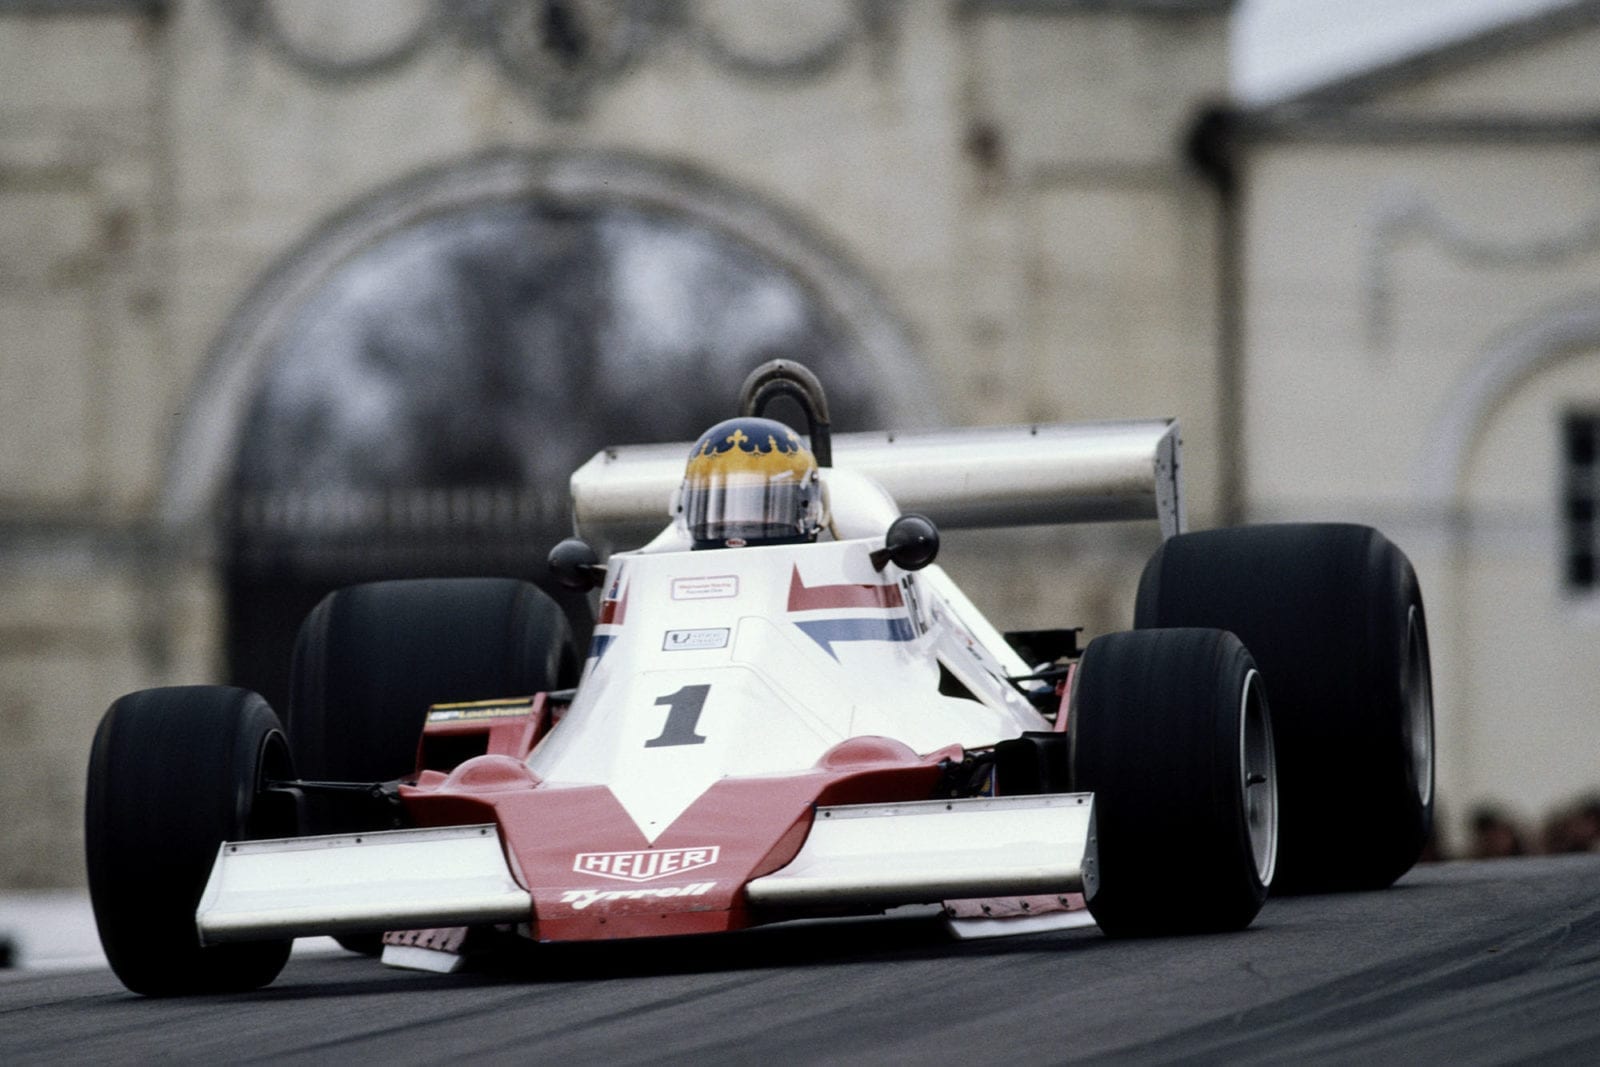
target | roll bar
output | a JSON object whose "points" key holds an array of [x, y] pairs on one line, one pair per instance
{"points": [[785, 377]]}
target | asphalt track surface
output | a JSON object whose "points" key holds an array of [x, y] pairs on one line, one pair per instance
{"points": [[1463, 963]]}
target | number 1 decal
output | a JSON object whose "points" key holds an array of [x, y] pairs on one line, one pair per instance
{"points": [[683, 713]]}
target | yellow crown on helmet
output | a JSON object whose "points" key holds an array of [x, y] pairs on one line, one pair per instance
{"points": [[750, 481]]}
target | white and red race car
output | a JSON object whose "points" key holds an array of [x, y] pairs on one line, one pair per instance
{"points": [[785, 731]]}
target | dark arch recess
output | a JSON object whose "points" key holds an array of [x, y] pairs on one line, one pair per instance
{"points": [[407, 392]]}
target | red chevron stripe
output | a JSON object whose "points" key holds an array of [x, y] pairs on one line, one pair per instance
{"points": [[803, 597]]}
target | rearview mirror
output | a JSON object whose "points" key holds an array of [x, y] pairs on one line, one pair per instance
{"points": [[574, 565], [911, 543]]}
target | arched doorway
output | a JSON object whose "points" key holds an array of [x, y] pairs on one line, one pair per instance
{"points": [[407, 393]]}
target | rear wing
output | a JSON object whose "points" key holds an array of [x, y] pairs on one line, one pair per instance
{"points": [[981, 477]]}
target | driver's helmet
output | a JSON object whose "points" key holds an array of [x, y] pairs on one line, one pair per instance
{"points": [[750, 482]]}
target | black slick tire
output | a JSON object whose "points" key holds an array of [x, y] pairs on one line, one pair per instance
{"points": [[1333, 615], [172, 774], [1170, 731], [369, 659]]}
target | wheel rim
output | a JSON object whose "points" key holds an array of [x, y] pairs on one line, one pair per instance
{"points": [[270, 816], [1258, 778], [1416, 693]]}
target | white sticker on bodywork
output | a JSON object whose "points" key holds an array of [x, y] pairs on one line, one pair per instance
{"points": [[689, 640], [715, 587]]}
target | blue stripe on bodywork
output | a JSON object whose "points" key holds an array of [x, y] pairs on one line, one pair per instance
{"points": [[599, 643], [826, 631]]}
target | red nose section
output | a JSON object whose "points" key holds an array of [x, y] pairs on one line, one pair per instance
{"points": [[491, 774], [594, 875], [866, 751]]}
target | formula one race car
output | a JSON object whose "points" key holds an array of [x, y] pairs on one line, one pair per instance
{"points": [[786, 711]]}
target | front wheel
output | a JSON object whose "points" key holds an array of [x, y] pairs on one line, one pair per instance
{"points": [[1170, 731], [173, 773]]}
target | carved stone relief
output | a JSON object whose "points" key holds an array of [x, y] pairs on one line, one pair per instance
{"points": [[562, 52], [1403, 214]]}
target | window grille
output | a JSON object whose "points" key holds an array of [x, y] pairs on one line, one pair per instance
{"points": [[1581, 492]]}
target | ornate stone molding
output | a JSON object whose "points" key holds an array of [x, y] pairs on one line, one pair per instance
{"points": [[560, 53], [1403, 214]]}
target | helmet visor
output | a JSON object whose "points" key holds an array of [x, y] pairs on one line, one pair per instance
{"points": [[719, 507]]}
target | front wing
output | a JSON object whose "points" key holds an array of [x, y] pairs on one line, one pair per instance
{"points": [[856, 859]]}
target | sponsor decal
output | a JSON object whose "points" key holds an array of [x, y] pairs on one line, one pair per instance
{"points": [[803, 597], [578, 899], [714, 587], [476, 712], [646, 864], [688, 640]]}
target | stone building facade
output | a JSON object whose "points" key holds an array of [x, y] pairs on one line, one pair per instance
{"points": [[1419, 341], [292, 293]]}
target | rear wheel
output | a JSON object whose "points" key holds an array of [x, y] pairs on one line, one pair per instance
{"points": [[1333, 615], [173, 773], [369, 660], [1170, 731]]}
